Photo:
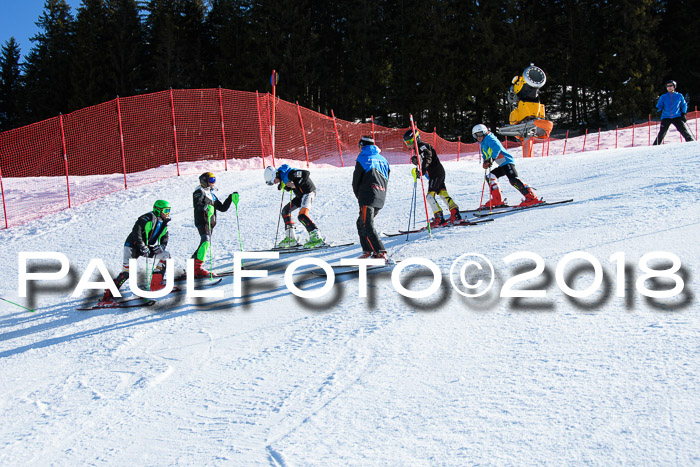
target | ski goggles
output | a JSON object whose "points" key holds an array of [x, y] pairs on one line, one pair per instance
{"points": [[410, 141], [211, 180], [165, 211]]}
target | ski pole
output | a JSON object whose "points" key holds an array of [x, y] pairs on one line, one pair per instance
{"points": [[483, 185], [415, 202], [211, 248], [16, 304], [279, 217], [413, 198], [150, 271], [235, 197]]}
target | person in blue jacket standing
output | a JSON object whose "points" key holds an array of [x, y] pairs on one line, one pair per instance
{"points": [[369, 183], [673, 107], [493, 151]]}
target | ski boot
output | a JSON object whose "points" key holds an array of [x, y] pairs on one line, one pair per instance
{"points": [[157, 278], [438, 220], [530, 199], [107, 299], [290, 240], [315, 240], [382, 255], [496, 200], [199, 271], [455, 216], [365, 255]]}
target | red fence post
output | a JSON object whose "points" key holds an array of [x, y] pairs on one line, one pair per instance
{"points": [[2, 190], [548, 140], [262, 144], [373, 127], [434, 136], [566, 140], [584, 140], [303, 132], [223, 132], [274, 79], [632, 134], [121, 141], [615, 136], [459, 143], [65, 156], [172, 110], [649, 130], [337, 137], [598, 147]]}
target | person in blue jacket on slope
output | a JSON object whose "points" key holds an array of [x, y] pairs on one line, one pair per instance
{"points": [[493, 151], [673, 107], [369, 183]]}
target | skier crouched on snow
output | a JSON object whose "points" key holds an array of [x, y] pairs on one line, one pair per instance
{"points": [[369, 183], [493, 151], [432, 167], [205, 205], [149, 238], [299, 182], [673, 107]]}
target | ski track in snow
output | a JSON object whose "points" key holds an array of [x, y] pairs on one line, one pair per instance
{"points": [[272, 379]]}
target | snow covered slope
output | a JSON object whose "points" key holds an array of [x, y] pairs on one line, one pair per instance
{"points": [[270, 378]]}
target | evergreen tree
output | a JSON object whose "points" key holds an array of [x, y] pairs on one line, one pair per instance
{"points": [[230, 51], [176, 37], [10, 86], [91, 56], [125, 47], [677, 40], [48, 65], [632, 62]]}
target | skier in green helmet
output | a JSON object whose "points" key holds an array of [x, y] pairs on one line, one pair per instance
{"points": [[205, 205], [149, 238]]}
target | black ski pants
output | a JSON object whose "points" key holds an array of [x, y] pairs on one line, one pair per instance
{"points": [[369, 239], [679, 123]]}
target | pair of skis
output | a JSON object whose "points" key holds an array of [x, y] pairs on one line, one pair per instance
{"points": [[462, 222], [485, 212], [140, 302]]}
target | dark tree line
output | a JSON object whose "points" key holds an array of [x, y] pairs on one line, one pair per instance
{"points": [[447, 62]]}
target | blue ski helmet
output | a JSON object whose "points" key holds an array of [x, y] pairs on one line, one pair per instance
{"points": [[282, 172]]}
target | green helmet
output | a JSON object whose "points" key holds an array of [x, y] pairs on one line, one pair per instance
{"points": [[161, 208]]}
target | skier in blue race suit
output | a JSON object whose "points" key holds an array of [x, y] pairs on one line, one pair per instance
{"points": [[493, 151], [673, 107]]}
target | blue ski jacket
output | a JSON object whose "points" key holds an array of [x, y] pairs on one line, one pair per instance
{"points": [[371, 177], [491, 148], [672, 105]]}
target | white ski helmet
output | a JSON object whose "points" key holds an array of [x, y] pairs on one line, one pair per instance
{"points": [[480, 130], [270, 175]]}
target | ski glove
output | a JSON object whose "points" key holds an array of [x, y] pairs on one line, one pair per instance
{"points": [[145, 251], [414, 160], [416, 173], [487, 163], [157, 249]]}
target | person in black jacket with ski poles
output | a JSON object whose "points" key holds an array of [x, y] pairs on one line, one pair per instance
{"points": [[205, 205], [299, 182], [148, 238], [431, 166], [369, 183]]}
